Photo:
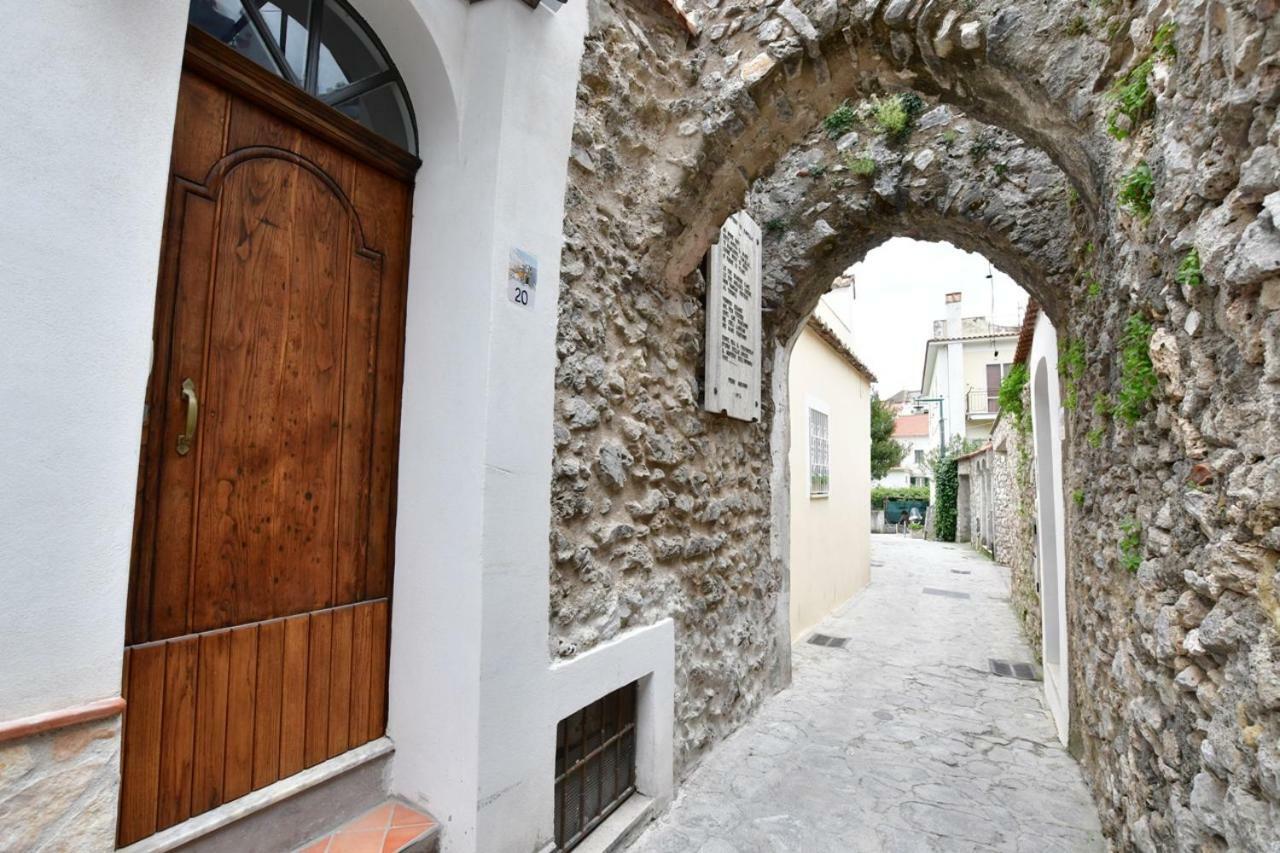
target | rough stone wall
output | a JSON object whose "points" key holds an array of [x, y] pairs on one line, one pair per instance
{"points": [[1013, 496], [663, 510], [59, 789]]}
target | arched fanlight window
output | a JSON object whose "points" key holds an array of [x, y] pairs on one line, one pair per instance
{"points": [[322, 47]]}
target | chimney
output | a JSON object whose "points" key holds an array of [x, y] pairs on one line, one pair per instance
{"points": [[954, 324]]}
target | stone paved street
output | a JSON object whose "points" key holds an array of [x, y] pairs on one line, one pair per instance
{"points": [[900, 742]]}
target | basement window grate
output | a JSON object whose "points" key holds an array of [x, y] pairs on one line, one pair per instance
{"points": [[828, 640], [1009, 669], [595, 764], [946, 593], [961, 571]]}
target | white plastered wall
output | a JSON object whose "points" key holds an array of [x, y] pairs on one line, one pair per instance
{"points": [[83, 172], [473, 697], [1046, 414]]}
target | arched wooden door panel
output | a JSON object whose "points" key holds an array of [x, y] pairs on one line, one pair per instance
{"points": [[258, 615]]}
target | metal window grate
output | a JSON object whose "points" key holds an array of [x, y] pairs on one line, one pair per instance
{"points": [[946, 593], [595, 764], [1011, 669], [827, 640]]}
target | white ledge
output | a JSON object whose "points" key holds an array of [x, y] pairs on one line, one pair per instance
{"points": [[228, 813]]}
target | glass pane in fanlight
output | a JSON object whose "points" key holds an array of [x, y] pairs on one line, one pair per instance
{"points": [[383, 111], [347, 54], [286, 20], [227, 21]]}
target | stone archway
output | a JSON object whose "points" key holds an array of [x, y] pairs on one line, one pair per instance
{"points": [[1169, 261]]}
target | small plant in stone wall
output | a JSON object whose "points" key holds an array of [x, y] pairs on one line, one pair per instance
{"points": [[840, 121], [1138, 381], [1189, 273], [1011, 398], [1130, 545], [1138, 191], [1071, 366], [1131, 93], [862, 167], [896, 114]]}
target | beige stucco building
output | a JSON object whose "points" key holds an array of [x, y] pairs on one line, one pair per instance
{"points": [[830, 464]]}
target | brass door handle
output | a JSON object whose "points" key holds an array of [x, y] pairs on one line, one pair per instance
{"points": [[193, 410]]}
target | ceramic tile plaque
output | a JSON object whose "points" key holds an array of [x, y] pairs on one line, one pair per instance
{"points": [[733, 321]]}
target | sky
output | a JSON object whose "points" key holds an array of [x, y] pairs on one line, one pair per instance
{"points": [[900, 288]]}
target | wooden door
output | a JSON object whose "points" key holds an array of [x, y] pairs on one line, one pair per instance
{"points": [[258, 617]]}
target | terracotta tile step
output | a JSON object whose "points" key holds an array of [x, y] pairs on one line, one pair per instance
{"points": [[392, 827]]}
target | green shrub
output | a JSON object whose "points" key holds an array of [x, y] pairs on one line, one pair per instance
{"points": [[1094, 289], [1138, 191], [1138, 381], [863, 167], [946, 486], [949, 137], [1189, 273], [840, 121], [980, 147], [1131, 545], [1094, 437], [1078, 497], [890, 115], [1011, 401], [776, 225], [880, 495], [1077, 26]]}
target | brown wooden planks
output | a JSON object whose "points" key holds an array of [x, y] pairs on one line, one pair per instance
{"points": [[361, 672], [268, 702], [178, 478], [318, 675], [378, 671], [140, 776], [199, 126], [181, 659], [209, 756], [242, 686], [293, 702], [340, 681]]}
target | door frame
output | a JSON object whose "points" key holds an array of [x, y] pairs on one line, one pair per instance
{"points": [[209, 59]]}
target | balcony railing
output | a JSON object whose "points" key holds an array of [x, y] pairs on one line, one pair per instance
{"points": [[982, 404]]}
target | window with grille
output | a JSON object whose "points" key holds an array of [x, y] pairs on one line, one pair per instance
{"points": [[819, 453], [595, 764]]}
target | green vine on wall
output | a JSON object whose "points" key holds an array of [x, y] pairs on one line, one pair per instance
{"points": [[1138, 191], [1189, 273], [947, 486], [1011, 397], [1071, 366], [1138, 381], [1131, 545]]}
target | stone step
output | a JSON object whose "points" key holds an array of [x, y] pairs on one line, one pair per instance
{"points": [[390, 827]]}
